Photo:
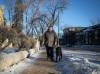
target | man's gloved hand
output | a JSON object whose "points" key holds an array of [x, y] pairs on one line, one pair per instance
{"points": [[54, 46]]}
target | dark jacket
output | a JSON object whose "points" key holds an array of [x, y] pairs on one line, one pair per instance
{"points": [[50, 39]]}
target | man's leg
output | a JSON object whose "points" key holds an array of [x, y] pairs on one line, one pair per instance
{"points": [[47, 52], [51, 53]]}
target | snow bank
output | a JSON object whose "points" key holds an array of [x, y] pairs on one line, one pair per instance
{"points": [[10, 50], [81, 64], [37, 45], [7, 60], [5, 43], [31, 52], [9, 56], [24, 64]]}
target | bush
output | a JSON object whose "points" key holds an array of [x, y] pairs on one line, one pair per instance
{"points": [[18, 40], [7, 33]]}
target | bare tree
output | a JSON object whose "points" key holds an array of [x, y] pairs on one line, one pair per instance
{"points": [[31, 21], [54, 8], [18, 15], [35, 18], [10, 8]]}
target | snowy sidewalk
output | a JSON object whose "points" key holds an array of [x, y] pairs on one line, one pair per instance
{"points": [[73, 62], [36, 64]]}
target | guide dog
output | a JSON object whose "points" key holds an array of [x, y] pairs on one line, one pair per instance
{"points": [[58, 53]]}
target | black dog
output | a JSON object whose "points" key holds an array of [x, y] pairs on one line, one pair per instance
{"points": [[58, 54]]}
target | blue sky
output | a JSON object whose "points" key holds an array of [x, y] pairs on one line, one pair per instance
{"points": [[78, 13]]}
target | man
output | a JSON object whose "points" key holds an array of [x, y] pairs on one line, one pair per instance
{"points": [[50, 41]]}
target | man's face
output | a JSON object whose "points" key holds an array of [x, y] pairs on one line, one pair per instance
{"points": [[50, 28]]}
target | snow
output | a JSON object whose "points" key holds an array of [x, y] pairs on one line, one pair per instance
{"points": [[10, 50], [73, 62], [78, 62], [82, 54], [17, 68]]}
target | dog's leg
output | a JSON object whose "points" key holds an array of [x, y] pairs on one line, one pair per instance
{"points": [[56, 58], [61, 55], [59, 58]]}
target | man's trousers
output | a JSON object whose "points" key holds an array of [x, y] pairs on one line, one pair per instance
{"points": [[50, 52]]}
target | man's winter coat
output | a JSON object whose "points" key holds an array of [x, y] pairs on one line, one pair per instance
{"points": [[50, 39]]}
